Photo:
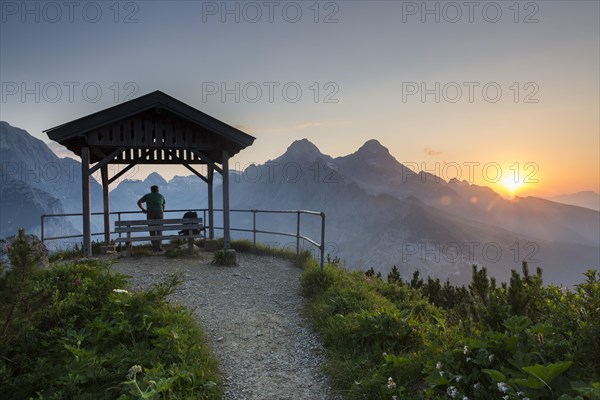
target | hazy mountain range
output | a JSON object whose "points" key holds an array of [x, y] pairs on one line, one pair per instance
{"points": [[587, 199], [35, 182], [378, 212]]}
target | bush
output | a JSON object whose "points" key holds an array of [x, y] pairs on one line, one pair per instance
{"points": [[224, 257], [424, 340], [313, 281], [75, 331]]}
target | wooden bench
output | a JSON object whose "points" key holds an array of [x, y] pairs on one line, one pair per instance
{"points": [[187, 225]]}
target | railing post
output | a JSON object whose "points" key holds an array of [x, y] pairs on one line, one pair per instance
{"points": [[297, 233], [119, 219], [42, 228], [254, 230], [322, 239], [204, 222]]}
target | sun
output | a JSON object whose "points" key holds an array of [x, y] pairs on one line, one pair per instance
{"points": [[512, 184]]}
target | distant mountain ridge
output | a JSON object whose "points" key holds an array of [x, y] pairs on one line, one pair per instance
{"points": [[382, 214], [587, 199], [35, 182], [379, 213], [29, 160]]}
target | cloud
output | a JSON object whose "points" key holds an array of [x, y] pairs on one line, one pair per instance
{"points": [[295, 127], [431, 152], [306, 125]]}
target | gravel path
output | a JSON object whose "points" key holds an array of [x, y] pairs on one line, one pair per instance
{"points": [[251, 314]]}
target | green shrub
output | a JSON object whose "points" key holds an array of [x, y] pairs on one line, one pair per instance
{"points": [[313, 281], [76, 331], [175, 252], [424, 340], [219, 257]]}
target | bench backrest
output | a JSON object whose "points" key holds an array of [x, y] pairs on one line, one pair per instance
{"points": [[146, 225]]}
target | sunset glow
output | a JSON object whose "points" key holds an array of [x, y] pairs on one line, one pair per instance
{"points": [[509, 91], [512, 185]]}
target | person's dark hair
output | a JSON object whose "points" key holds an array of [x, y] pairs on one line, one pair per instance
{"points": [[154, 189]]}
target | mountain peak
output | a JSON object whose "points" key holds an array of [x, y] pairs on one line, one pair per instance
{"points": [[302, 150], [373, 146], [303, 146], [155, 179]]}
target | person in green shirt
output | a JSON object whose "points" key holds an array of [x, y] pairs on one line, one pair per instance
{"points": [[155, 207]]}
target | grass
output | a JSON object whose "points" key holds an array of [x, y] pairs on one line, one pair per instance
{"points": [[74, 330], [75, 251], [173, 250]]}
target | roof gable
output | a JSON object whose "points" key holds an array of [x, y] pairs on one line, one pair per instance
{"points": [[155, 120]]}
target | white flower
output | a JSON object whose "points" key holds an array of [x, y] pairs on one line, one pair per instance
{"points": [[441, 373], [520, 394], [384, 354], [466, 350], [394, 397], [477, 386], [465, 398], [120, 291], [135, 369], [491, 357], [525, 398], [469, 359], [458, 378], [503, 387], [390, 383], [438, 365], [505, 397], [452, 391]]}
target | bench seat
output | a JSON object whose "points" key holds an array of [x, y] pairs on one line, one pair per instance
{"points": [[188, 225]]}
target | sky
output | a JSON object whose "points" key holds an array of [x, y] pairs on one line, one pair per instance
{"points": [[490, 92]]}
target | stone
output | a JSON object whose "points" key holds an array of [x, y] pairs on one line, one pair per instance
{"points": [[230, 257]]}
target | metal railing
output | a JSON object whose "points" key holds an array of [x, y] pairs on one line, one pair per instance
{"points": [[254, 231]]}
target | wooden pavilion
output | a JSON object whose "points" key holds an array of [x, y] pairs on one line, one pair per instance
{"points": [[151, 129]]}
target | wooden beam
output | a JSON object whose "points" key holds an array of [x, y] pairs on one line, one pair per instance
{"points": [[120, 173], [225, 175], [211, 219], [106, 160], [86, 201], [106, 203], [198, 174], [175, 157], [139, 156], [208, 160], [145, 161]]}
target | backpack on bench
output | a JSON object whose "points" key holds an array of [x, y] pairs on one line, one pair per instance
{"points": [[190, 214]]}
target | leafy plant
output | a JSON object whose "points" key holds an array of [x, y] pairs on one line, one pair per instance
{"points": [[219, 257], [76, 330], [422, 339]]}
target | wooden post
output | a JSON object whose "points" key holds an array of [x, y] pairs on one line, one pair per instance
{"points": [[211, 225], [225, 173], [85, 201], [106, 202]]}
